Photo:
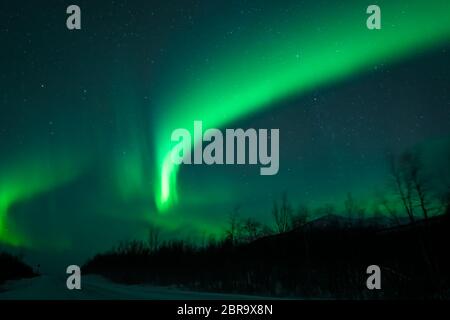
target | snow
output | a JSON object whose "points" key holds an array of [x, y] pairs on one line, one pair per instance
{"points": [[95, 287]]}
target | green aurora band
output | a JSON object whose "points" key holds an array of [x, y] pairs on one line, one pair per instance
{"points": [[29, 178], [255, 73]]}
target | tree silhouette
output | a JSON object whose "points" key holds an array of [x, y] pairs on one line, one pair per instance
{"points": [[234, 226], [402, 187], [415, 176], [252, 229], [387, 207], [153, 238], [283, 214]]}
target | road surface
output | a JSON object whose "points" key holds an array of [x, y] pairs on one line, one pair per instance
{"points": [[95, 287]]}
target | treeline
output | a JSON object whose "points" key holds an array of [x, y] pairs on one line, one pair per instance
{"points": [[309, 253], [412, 193], [12, 268], [318, 260]]}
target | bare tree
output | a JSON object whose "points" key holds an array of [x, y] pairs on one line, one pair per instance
{"points": [[402, 187], [283, 214], [411, 183], [414, 175], [234, 226], [153, 238], [252, 229], [387, 207]]}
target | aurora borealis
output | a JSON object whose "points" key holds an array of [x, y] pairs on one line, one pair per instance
{"points": [[254, 72], [27, 180], [86, 116]]}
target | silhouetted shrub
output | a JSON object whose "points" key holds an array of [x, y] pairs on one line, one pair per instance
{"points": [[12, 268]]}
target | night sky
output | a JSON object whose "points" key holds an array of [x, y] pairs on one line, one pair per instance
{"points": [[86, 115]]}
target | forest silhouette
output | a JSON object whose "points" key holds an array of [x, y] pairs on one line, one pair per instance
{"points": [[301, 256]]}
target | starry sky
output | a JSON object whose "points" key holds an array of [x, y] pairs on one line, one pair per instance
{"points": [[86, 115]]}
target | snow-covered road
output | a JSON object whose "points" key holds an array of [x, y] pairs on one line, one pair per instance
{"points": [[95, 287]]}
